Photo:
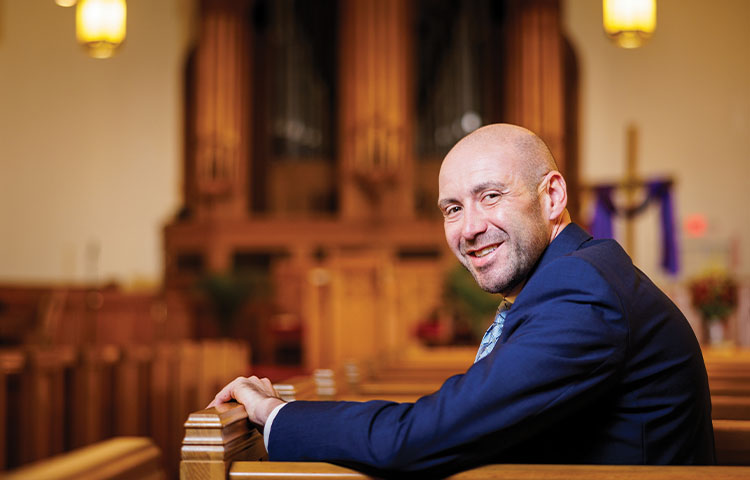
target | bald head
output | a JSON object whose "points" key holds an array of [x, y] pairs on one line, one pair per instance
{"points": [[525, 153], [503, 202]]}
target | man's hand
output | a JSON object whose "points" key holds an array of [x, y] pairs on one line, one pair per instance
{"points": [[256, 394]]}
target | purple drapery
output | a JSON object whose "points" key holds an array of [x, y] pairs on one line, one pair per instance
{"points": [[601, 226], [657, 190]]}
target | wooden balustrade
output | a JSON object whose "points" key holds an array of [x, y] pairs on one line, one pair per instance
{"points": [[95, 314], [11, 366], [55, 399], [45, 400], [120, 458], [92, 395]]}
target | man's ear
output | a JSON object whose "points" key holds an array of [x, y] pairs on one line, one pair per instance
{"points": [[556, 198]]}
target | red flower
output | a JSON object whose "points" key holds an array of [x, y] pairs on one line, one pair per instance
{"points": [[714, 295]]}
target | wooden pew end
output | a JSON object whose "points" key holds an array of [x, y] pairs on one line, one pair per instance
{"points": [[216, 437]]}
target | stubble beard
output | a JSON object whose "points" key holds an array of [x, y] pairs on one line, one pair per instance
{"points": [[504, 275]]}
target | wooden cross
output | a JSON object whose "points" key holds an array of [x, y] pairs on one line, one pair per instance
{"points": [[630, 185]]}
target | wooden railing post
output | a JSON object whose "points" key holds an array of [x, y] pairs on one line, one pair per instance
{"points": [[11, 365], [43, 394], [92, 395], [133, 390], [216, 437]]}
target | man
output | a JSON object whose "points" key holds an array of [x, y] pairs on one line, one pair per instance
{"points": [[587, 361]]}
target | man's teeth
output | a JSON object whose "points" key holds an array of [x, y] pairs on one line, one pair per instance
{"points": [[485, 251]]}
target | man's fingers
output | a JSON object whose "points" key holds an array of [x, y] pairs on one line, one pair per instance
{"points": [[256, 394], [227, 393], [268, 386]]}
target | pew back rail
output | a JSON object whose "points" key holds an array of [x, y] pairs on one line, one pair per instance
{"points": [[121, 458]]}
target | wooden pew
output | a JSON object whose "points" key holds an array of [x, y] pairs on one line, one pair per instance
{"points": [[730, 407], [55, 399], [418, 371], [179, 372], [216, 437], [304, 471], [220, 443], [728, 372], [732, 439], [11, 365], [120, 458], [133, 390], [93, 396], [45, 400]]}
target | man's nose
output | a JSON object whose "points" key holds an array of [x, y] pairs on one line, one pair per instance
{"points": [[474, 223]]}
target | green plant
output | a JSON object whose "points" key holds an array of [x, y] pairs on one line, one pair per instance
{"points": [[228, 293], [463, 296]]}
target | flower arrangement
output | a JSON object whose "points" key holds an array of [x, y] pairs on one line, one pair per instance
{"points": [[714, 294]]}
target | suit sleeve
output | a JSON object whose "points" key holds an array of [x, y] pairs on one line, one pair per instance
{"points": [[561, 349]]}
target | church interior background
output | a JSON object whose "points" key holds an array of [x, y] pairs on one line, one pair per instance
{"points": [[266, 170]]}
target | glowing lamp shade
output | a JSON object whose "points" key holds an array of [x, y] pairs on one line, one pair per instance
{"points": [[629, 23], [100, 26]]}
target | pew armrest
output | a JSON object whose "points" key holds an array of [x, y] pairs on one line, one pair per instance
{"points": [[216, 437]]}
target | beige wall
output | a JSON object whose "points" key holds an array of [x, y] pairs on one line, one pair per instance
{"points": [[89, 149], [688, 91]]}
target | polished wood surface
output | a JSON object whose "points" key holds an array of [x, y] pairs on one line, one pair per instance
{"points": [[732, 446], [121, 458], [49, 314], [11, 365], [218, 136], [730, 407], [732, 431], [301, 470], [732, 442], [55, 399], [728, 371], [216, 437], [291, 470]]}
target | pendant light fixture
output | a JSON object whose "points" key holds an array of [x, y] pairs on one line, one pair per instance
{"points": [[629, 23], [100, 26]]}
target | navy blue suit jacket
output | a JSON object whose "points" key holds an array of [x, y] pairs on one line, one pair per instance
{"points": [[595, 365]]}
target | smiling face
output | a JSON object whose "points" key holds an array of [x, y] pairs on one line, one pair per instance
{"points": [[492, 195]]}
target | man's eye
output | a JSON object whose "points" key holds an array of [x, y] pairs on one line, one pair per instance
{"points": [[452, 210], [491, 197]]}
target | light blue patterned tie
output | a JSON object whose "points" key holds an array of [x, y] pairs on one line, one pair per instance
{"points": [[493, 333]]}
